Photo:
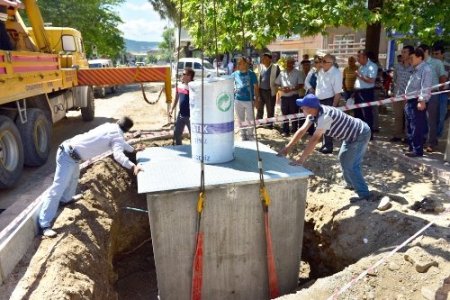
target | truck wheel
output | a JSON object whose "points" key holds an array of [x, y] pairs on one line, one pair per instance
{"points": [[36, 137], [11, 153], [88, 112]]}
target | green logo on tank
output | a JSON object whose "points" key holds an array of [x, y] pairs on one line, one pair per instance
{"points": [[224, 102]]}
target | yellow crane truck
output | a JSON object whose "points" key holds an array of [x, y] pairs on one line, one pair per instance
{"points": [[39, 84]]}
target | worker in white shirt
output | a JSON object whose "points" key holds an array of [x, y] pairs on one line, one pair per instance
{"points": [[109, 136]]}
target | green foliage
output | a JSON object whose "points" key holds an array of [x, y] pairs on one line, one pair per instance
{"points": [[167, 9], [167, 46], [95, 19], [152, 59], [237, 24]]}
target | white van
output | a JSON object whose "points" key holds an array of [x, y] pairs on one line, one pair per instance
{"points": [[101, 91], [196, 65]]}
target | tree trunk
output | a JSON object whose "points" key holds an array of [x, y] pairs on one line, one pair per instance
{"points": [[373, 31]]}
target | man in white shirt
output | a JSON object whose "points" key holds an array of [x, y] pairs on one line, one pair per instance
{"points": [[289, 82], [328, 90], [71, 152]]}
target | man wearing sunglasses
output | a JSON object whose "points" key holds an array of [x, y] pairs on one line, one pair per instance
{"points": [[328, 90]]}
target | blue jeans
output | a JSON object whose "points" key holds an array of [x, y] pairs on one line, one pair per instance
{"points": [[63, 188], [179, 128], [351, 156], [443, 103], [416, 120]]}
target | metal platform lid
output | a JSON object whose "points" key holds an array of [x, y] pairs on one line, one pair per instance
{"points": [[168, 169]]}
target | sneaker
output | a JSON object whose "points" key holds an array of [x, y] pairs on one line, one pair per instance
{"points": [[369, 198], [284, 134], [74, 199], [48, 232]]}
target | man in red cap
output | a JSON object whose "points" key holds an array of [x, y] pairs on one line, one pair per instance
{"points": [[333, 122]]}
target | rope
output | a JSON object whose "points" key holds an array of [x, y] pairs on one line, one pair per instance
{"points": [[179, 47], [274, 290], [215, 35], [197, 268], [145, 96]]}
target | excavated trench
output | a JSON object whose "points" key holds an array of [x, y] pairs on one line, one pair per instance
{"points": [[105, 251]]}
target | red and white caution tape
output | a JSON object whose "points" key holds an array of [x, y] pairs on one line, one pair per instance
{"points": [[375, 265], [298, 116]]}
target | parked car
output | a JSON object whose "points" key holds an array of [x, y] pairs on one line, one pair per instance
{"points": [[101, 91], [140, 64], [196, 64]]}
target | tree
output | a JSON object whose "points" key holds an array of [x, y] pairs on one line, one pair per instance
{"points": [[259, 22], [167, 46], [95, 19], [167, 9]]}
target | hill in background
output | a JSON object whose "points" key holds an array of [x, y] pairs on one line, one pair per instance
{"points": [[139, 46]]}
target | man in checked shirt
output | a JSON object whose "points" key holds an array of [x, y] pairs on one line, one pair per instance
{"points": [[419, 85], [108, 136]]}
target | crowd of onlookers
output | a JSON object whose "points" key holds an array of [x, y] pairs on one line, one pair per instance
{"points": [[362, 80]]}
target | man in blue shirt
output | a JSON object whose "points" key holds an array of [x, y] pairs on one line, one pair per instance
{"points": [[245, 91], [182, 97], [364, 87]]}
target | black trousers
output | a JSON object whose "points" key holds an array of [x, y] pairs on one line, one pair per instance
{"points": [[365, 113], [288, 106]]}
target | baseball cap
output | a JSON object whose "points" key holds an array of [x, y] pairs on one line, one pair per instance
{"points": [[309, 100]]}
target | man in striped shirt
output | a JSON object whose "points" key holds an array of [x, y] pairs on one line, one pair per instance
{"points": [[333, 122]]}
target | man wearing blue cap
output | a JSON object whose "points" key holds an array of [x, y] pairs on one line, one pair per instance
{"points": [[333, 122]]}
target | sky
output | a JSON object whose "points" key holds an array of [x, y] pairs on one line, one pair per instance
{"points": [[140, 21]]}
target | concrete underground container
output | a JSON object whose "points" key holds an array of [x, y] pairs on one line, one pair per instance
{"points": [[234, 253]]}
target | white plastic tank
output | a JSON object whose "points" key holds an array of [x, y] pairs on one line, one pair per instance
{"points": [[218, 122]]}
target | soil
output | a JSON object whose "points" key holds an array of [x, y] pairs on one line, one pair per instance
{"points": [[104, 251]]}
